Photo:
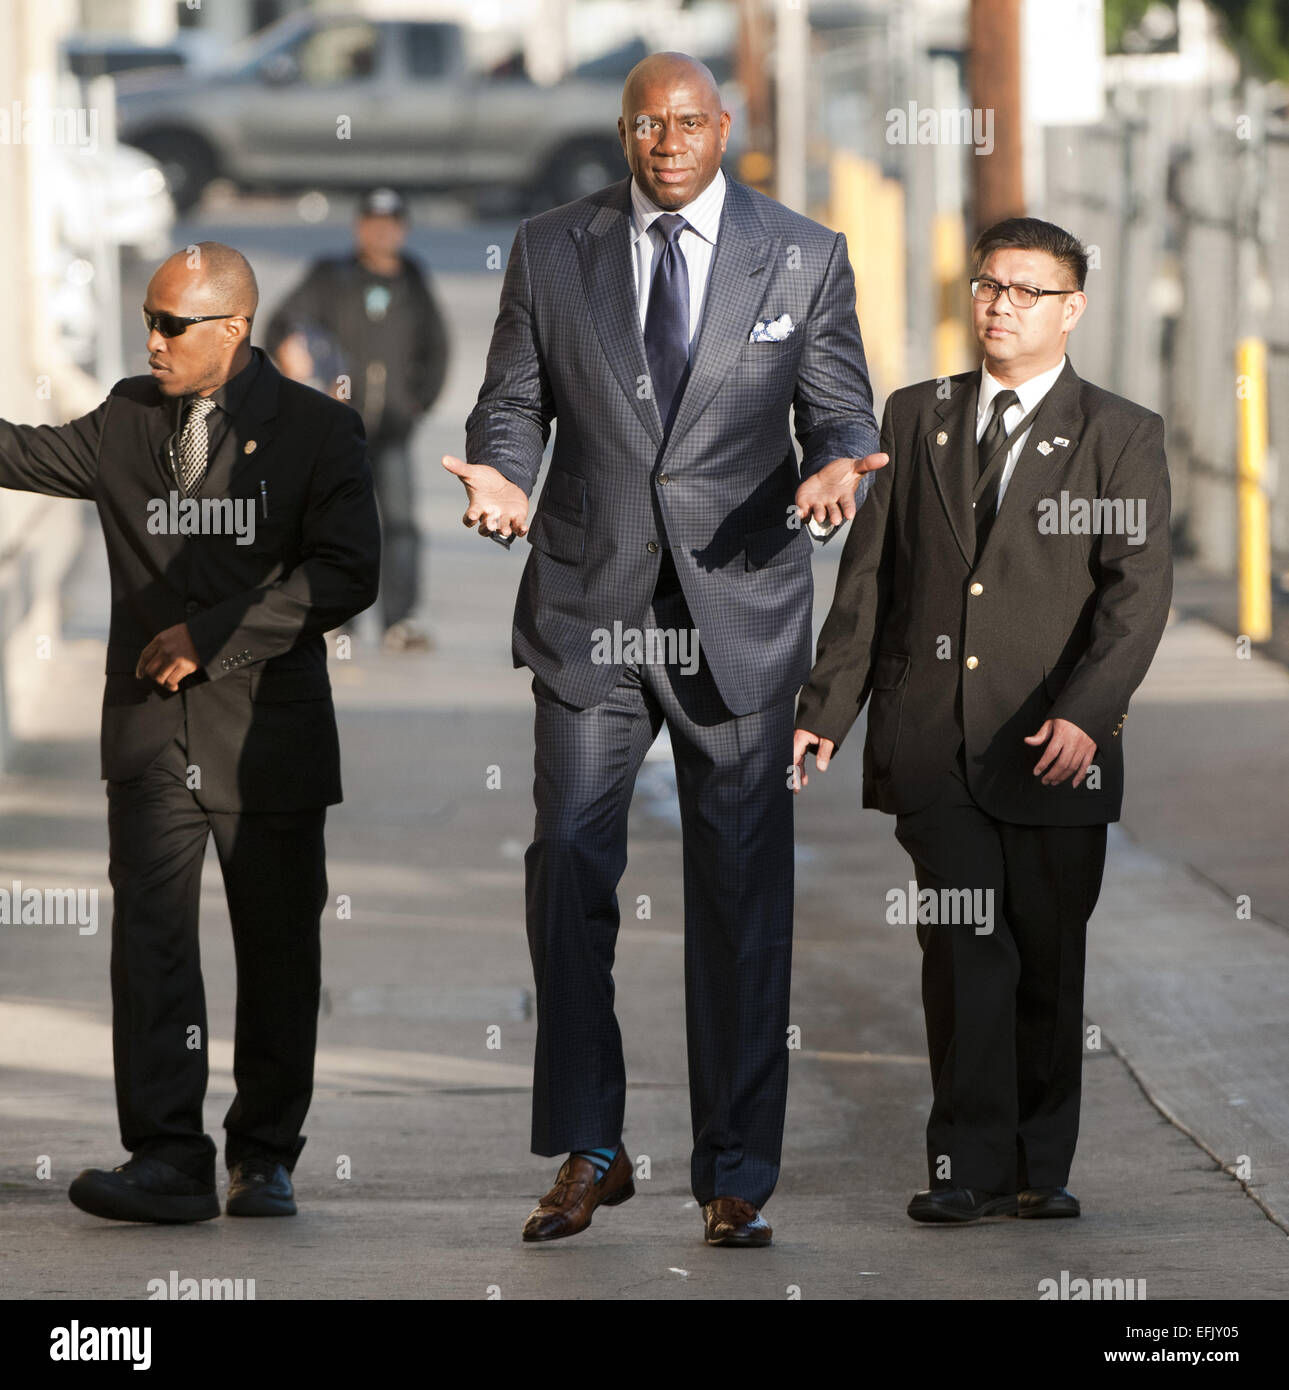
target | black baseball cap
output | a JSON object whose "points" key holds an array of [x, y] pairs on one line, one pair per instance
{"points": [[382, 202]]}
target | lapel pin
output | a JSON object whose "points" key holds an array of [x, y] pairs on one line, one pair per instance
{"points": [[1044, 447], [942, 438], [1064, 443], [249, 447]]}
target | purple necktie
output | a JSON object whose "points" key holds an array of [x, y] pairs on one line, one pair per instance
{"points": [[666, 331]]}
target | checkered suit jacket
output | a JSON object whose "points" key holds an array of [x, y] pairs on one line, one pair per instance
{"points": [[567, 346]]}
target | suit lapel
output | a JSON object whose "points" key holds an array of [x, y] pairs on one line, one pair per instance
{"points": [[735, 288], [950, 445], [1037, 473], [604, 253], [248, 435], [734, 292]]}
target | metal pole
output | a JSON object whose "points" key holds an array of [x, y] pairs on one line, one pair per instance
{"points": [[792, 52], [1251, 382]]}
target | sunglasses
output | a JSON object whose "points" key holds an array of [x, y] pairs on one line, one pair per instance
{"points": [[173, 326]]}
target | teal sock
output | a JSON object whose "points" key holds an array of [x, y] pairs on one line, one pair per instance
{"points": [[599, 1158]]}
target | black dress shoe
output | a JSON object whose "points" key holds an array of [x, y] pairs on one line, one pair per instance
{"points": [[144, 1189], [959, 1204], [1047, 1201], [260, 1187]]}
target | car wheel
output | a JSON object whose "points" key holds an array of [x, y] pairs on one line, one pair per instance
{"points": [[187, 162], [582, 168]]}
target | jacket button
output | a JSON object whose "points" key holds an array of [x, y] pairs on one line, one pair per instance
{"points": [[652, 547], [972, 663], [190, 606], [977, 589], [664, 477]]}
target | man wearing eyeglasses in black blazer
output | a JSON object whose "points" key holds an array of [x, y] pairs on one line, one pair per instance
{"points": [[1000, 597], [240, 524]]}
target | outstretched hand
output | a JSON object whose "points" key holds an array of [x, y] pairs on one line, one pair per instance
{"points": [[496, 505], [829, 494]]}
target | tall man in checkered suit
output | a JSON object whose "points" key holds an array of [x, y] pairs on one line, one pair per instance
{"points": [[668, 323]]}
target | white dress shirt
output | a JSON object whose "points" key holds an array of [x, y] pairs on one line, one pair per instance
{"points": [[1030, 393], [697, 241]]}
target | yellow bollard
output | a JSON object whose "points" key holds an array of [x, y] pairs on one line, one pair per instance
{"points": [[1251, 460], [869, 210]]}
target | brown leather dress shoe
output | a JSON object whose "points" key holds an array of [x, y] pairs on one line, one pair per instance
{"points": [[567, 1208], [732, 1221]]}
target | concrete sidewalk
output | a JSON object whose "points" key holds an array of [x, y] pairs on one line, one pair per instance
{"points": [[431, 1122]]}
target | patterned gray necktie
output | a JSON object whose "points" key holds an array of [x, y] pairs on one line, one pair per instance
{"points": [[194, 443]]}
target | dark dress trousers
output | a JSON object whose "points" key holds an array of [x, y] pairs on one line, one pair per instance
{"points": [[685, 527], [960, 659], [246, 749]]}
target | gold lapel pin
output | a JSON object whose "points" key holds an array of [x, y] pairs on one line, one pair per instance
{"points": [[249, 447], [942, 438]]}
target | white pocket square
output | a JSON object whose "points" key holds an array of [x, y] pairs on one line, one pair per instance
{"points": [[771, 330]]}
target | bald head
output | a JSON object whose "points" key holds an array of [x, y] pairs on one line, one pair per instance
{"points": [[669, 69], [205, 280], [673, 128], [211, 274]]}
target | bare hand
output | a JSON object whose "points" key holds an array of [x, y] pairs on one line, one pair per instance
{"points": [[829, 494], [496, 504], [168, 658], [293, 358], [802, 742], [1070, 750]]}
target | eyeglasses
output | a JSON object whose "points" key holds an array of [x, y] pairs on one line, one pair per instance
{"points": [[1022, 296], [173, 326]]}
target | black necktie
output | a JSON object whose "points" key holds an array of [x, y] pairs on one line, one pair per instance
{"points": [[666, 331], [991, 441]]}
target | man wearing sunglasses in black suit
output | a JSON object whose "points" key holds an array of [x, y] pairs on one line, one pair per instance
{"points": [[238, 513]]}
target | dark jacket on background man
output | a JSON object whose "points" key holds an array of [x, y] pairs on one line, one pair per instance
{"points": [[395, 354]]}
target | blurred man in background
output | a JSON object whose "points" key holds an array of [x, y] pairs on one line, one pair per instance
{"points": [[366, 327]]}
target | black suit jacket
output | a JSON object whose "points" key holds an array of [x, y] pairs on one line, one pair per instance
{"points": [[1052, 623], [260, 723]]}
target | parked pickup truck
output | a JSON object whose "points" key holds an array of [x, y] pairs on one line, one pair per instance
{"points": [[334, 102]]}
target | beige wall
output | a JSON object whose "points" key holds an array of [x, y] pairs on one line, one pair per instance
{"points": [[39, 536]]}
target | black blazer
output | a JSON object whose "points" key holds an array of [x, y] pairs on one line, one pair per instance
{"points": [[261, 727], [1051, 623]]}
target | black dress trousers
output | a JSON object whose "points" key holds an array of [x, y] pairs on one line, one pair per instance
{"points": [[1004, 1009], [274, 874]]}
